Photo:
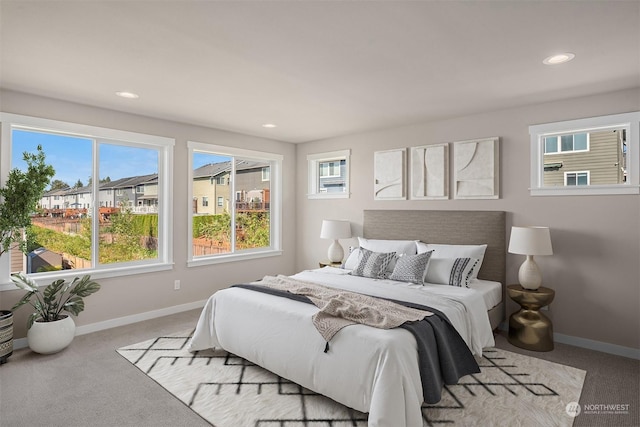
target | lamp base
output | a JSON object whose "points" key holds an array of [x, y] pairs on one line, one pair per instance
{"points": [[336, 253], [529, 274]]}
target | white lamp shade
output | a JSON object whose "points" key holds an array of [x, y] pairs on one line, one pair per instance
{"points": [[530, 241], [335, 229]]}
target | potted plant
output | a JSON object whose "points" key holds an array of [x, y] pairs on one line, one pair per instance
{"points": [[49, 330], [18, 200]]}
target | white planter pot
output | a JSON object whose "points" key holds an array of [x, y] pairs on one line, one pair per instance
{"points": [[51, 337]]}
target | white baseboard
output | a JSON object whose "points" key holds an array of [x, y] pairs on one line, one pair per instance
{"points": [[605, 347], [126, 320]]}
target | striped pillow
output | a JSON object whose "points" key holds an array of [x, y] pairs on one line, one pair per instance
{"points": [[373, 264], [451, 271], [411, 268]]}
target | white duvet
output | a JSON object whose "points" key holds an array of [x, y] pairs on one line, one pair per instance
{"points": [[368, 369]]}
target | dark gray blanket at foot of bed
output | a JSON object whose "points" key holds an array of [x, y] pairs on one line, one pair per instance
{"points": [[443, 355]]}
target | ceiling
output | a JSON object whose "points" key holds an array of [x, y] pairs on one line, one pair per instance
{"points": [[316, 69]]}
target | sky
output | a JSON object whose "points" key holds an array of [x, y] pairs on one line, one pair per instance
{"points": [[71, 157]]}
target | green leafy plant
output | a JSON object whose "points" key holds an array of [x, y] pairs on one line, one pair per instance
{"points": [[19, 199], [57, 297]]}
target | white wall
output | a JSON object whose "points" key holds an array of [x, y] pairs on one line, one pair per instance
{"points": [[131, 295], [595, 269]]}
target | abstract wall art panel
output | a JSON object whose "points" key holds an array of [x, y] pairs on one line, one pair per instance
{"points": [[389, 174], [430, 172], [476, 169]]}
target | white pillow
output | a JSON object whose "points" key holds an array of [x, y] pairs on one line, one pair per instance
{"points": [[455, 251], [450, 271], [352, 260], [400, 247]]}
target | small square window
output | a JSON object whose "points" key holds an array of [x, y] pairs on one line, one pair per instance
{"points": [[329, 175]]}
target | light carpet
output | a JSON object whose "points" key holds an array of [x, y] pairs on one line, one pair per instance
{"points": [[228, 391]]}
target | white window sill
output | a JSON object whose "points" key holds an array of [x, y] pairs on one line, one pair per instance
{"points": [[44, 279], [219, 259], [587, 190], [328, 196]]}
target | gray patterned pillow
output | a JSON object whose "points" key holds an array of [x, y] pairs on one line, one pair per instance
{"points": [[411, 268], [373, 264]]}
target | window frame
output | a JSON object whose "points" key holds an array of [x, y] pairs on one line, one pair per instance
{"points": [[576, 173], [313, 166], [165, 147], [630, 121], [559, 149], [275, 214]]}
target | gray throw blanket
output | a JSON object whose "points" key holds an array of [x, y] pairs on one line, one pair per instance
{"points": [[338, 308]]}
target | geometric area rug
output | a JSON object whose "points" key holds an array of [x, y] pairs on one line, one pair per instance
{"points": [[228, 391]]}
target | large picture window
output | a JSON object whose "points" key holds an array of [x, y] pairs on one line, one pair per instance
{"points": [[81, 222], [245, 222]]}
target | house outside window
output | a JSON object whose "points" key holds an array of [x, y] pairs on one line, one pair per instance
{"points": [[266, 174], [603, 159], [249, 226], [101, 244]]}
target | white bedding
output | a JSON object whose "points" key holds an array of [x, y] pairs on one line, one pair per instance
{"points": [[491, 291], [368, 369]]}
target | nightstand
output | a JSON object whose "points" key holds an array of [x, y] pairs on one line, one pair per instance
{"points": [[327, 263], [528, 328]]}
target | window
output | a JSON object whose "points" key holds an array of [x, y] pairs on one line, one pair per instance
{"points": [[330, 169], [221, 180], [567, 143], [205, 201], [328, 175], [98, 240], [140, 189], [576, 178], [248, 225], [597, 155]]}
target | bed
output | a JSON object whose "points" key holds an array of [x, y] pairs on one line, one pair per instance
{"points": [[368, 369]]}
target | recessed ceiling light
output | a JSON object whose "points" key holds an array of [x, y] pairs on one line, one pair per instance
{"points": [[128, 95], [269, 125], [560, 58]]}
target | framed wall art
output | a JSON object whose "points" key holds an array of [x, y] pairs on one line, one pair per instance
{"points": [[389, 174], [429, 172], [476, 169]]}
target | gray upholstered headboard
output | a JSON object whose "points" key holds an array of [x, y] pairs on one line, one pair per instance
{"points": [[452, 227]]}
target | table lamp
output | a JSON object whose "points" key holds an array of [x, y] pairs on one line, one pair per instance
{"points": [[335, 229], [530, 241]]}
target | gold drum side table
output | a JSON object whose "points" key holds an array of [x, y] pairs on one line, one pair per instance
{"points": [[528, 328]]}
